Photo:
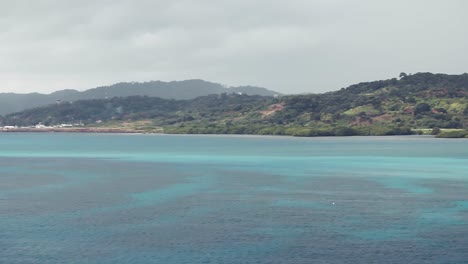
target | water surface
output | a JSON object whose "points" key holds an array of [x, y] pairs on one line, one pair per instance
{"points": [[96, 198]]}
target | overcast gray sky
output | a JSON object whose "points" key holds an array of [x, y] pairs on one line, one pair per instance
{"points": [[293, 46]]}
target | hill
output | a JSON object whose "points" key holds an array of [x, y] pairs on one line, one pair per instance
{"points": [[189, 89], [387, 107]]}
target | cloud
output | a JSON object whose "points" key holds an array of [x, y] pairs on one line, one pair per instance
{"points": [[290, 46]]}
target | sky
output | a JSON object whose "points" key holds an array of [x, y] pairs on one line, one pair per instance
{"points": [[294, 46]]}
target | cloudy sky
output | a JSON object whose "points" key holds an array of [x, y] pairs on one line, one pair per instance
{"points": [[293, 46]]}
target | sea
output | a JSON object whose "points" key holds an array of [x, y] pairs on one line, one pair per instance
{"points": [[138, 199]]}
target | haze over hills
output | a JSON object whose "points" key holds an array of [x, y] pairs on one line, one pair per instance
{"points": [[188, 89], [387, 107]]}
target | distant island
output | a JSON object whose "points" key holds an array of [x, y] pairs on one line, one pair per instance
{"points": [[412, 103]]}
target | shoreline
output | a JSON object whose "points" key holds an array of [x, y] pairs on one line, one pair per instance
{"points": [[97, 130], [132, 131], [70, 130]]}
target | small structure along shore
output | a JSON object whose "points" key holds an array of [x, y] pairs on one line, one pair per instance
{"points": [[71, 130]]}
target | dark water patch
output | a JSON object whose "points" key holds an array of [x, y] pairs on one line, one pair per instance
{"points": [[149, 199]]}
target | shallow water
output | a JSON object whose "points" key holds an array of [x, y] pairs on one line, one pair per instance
{"points": [[95, 198]]}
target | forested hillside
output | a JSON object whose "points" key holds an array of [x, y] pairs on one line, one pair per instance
{"points": [[394, 106], [189, 89]]}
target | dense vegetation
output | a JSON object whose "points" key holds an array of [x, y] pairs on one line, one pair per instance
{"points": [[453, 134], [189, 89], [388, 107]]}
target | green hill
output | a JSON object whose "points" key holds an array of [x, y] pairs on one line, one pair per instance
{"points": [[189, 89], [388, 107]]}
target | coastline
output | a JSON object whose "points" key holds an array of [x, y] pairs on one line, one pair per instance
{"points": [[70, 130], [100, 130]]}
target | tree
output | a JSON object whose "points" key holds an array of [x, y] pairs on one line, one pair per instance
{"points": [[411, 100], [345, 131], [422, 108], [435, 131], [403, 75]]}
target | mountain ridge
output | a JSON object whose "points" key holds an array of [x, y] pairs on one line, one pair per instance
{"points": [[187, 89]]}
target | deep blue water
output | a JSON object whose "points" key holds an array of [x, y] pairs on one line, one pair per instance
{"points": [[84, 198]]}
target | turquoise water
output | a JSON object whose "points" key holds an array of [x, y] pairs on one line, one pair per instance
{"points": [[96, 198]]}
